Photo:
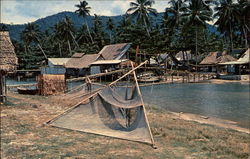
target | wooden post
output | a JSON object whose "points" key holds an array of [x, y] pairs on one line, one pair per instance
{"points": [[2, 88], [172, 78], [182, 78], [194, 78], [143, 106], [188, 77]]}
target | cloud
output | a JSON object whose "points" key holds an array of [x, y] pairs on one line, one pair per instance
{"points": [[23, 11]]}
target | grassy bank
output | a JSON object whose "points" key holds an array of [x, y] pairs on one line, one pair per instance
{"points": [[24, 136]]}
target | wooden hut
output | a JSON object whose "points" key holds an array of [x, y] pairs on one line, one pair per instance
{"points": [[8, 61], [211, 62]]}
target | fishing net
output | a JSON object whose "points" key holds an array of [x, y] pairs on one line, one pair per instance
{"points": [[111, 112]]}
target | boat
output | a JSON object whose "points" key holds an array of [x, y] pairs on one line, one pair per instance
{"points": [[27, 90], [148, 77]]}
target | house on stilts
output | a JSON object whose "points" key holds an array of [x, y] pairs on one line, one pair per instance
{"points": [[8, 62]]}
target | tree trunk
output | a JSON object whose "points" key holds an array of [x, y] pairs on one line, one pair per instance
{"points": [[70, 53], [146, 26], [196, 49], [42, 51], [74, 39], [231, 37], [110, 37], [60, 51], [88, 30], [245, 34]]}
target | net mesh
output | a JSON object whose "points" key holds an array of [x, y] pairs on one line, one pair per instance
{"points": [[111, 112]]}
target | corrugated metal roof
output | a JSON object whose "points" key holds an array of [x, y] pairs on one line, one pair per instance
{"points": [[82, 62], [106, 62], [244, 59], [58, 61], [115, 51]]}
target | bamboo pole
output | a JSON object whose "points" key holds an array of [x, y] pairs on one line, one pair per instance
{"points": [[133, 69], [143, 106]]}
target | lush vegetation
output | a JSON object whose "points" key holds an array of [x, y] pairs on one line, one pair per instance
{"points": [[184, 26]]}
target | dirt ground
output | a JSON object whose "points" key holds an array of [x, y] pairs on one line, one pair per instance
{"points": [[23, 135]]}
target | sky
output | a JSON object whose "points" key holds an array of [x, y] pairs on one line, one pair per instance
{"points": [[24, 11]]}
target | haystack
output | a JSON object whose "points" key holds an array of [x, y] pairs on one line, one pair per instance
{"points": [[8, 61], [51, 84]]}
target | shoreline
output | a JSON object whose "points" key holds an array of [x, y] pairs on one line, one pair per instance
{"points": [[223, 123]]}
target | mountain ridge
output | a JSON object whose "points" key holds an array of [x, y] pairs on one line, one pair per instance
{"points": [[48, 22]]}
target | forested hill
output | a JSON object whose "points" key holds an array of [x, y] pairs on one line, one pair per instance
{"points": [[48, 22]]}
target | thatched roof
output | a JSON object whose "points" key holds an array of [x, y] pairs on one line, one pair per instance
{"points": [[217, 57], [82, 62], [8, 59], [114, 51], [244, 59]]}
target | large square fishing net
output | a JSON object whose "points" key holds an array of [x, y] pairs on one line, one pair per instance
{"points": [[109, 113]]}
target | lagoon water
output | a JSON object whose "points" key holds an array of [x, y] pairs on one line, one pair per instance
{"points": [[229, 101], [226, 101]]}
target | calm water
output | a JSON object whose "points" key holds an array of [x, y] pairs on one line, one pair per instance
{"points": [[227, 101], [11, 81]]}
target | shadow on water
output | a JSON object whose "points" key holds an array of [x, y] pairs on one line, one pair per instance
{"points": [[226, 101]]}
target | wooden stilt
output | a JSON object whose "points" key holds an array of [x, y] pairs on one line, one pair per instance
{"points": [[2, 88]]}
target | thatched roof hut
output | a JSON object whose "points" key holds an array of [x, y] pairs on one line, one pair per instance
{"points": [[8, 59], [215, 58]]}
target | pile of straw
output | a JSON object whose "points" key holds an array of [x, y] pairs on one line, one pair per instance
{"points": [[51, 84]]}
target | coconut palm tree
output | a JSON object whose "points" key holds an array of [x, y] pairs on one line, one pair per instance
{"points": [[84, 11], [244, 8], [228, 16], [141, 9], [196, 14], [110, 27], [32, 34], [64, 30], [173, 14]]}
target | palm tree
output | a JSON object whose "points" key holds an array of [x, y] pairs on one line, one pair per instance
{"points": [[244, 7], [84, 11], [173, 14], [31, 34], [141, 9], [64, 31], [110, 27], [228, 15], [196, 14]]}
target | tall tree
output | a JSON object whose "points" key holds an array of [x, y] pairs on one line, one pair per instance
{"points": [[196, 14], [84, 11], [228, 15], [32, 34], [141, 9], [110, 27], [244, 21], [64, 30], [173, 14]]}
